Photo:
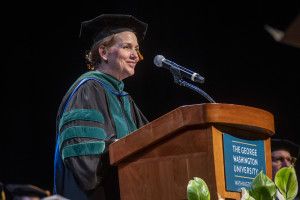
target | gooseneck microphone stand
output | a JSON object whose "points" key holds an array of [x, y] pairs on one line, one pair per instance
{"points": [[179, 80]]}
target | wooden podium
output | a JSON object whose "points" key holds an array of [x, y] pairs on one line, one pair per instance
{"points": [[157, 161]]}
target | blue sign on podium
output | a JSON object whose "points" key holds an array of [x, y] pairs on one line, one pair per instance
{"points": [[244, 159]]}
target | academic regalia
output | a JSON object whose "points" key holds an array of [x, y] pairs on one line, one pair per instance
{"points": [[94, 111]]}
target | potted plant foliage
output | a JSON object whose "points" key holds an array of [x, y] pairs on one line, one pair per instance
{"points": [[284, 187]]}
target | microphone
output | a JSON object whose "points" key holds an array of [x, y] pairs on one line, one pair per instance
{"points": [[161, 61]]}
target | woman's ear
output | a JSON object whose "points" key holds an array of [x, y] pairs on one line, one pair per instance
{"points": [[103, 53]]}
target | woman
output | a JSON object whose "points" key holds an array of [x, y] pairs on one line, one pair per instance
{"points": [[96, 110]]}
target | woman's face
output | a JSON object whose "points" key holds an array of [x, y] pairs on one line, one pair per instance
{"points": [[122, 56]]}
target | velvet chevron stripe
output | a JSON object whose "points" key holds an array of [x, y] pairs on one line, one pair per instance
{"points": [[81, 114], [81, 131], [83, 149]]}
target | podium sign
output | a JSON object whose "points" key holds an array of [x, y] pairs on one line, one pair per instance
{"points": [[244, 159]]}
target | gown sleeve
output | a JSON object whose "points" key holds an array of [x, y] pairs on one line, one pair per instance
{"points": [[84, 128]]}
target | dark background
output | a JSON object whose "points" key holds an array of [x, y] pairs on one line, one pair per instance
{"points": [[225, 42]]}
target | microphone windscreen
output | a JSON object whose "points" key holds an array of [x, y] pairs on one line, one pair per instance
{"points": [[158, 60]]}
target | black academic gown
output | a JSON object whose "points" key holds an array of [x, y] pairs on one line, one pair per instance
{"points": [[93, 112]]}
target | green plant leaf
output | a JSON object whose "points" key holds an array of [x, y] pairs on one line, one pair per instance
{"points": [[197, 190], [286, 182], [262, 188]]}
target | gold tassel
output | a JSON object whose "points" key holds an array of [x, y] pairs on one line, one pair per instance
{"points": [[2, 195]]}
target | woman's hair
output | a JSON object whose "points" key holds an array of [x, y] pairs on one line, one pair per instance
{"points": [[92, 57]]}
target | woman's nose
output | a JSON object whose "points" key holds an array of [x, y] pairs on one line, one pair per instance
{"points": [[134, 55]]}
